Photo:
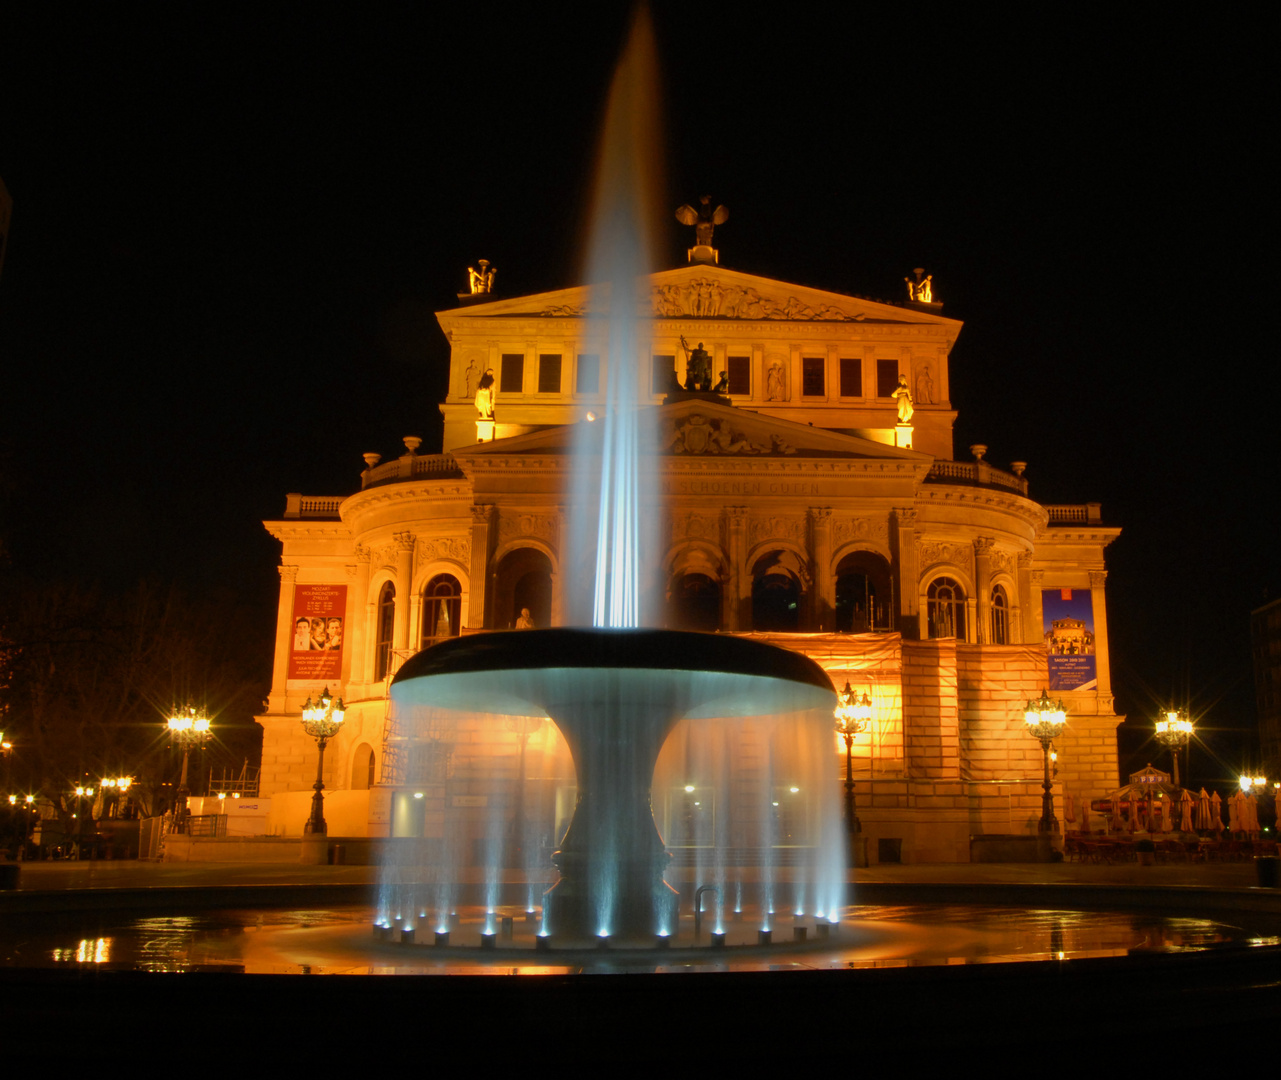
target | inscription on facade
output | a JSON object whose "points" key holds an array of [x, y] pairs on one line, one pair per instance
{"points": [[740, 487]]}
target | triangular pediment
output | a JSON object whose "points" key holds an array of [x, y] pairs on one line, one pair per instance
{"points": [[700, 426], [706, 292]]}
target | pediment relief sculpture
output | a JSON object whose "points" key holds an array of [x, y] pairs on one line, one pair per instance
{"points": [[701, 435], [707, 298]]}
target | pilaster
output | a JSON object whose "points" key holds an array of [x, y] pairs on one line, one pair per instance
{"points": [[404, 586], [737, 595], [1102, 660], [909, 573], [824, 595], [482, 519], [1036, 633], [983, 586], [358, 618], [284, 636]]}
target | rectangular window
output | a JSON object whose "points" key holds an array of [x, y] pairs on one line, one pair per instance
{"points": [[812, 376], [549, 373], [664, 374], [740, 374], [886, 377], [588, 374], [512, 378], [851, 377]]}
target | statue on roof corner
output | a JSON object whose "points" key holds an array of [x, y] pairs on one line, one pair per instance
{"points": [[704, 220], [922, 289], [482, 280]]}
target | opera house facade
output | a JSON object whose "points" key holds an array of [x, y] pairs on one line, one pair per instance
{"points": [[811, 497]]}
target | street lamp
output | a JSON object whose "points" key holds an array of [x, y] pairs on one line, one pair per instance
{"points": [[1045, 721], [321, 720], [1174, 731], [853, 714], [112, 788], [188, 726]]}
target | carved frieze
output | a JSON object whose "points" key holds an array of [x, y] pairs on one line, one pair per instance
{"points": [[706, 298], [776, 528], [934, 552], [700, 435], [540, 526], [847, 530], [696, 525], [457, 548], [564, 311]]}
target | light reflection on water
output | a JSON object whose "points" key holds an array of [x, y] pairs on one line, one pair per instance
{"points": [[338, 940]]}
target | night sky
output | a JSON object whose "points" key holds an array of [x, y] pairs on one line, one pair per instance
{"points": [[231, 230]]}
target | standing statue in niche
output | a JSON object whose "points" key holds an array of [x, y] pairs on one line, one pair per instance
{"points": [[473, 377], [485, 395], [924, 386], [774, 384], [903, 396], [698, 367]]}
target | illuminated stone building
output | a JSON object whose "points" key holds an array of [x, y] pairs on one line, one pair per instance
{"points": [[803, 504]]}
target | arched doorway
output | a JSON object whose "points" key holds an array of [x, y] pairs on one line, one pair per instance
{"points": [[694, 603], [863, 593], [778, 592], [524, 580]]}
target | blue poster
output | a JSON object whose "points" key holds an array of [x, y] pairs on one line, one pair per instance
{"points": [[1067, 621]]}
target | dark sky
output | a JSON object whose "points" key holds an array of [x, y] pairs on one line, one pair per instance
{"points": [[231, 230]]}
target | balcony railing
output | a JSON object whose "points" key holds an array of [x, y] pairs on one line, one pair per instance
{"points": [[412, 467], [312, 506], [975, 472], [1085, 514]]}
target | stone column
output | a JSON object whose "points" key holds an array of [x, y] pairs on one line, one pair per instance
{"points": [[1023, 601], [560, 602], [358, 620], [909, 574], [482, 517], [738, 588], [404, 588], [983, 585], [284, 636], [1035, 579], [1102, 663], [824, 602]]}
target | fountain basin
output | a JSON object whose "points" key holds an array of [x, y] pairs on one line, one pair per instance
{"points": [[616, 696]]}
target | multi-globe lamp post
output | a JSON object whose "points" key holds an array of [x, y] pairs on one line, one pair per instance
{"points": [[188, 726], [1174, 730], [321, 720], [1045, 720], [853, 715]]}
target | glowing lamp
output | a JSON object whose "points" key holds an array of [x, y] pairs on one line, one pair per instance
{"points": [[1045, 721]]}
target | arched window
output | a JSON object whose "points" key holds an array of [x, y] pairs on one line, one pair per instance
{"points": [[946, 609], [362, 768], [386, 625], [442, 609], [695, 603], [1000, 616]]}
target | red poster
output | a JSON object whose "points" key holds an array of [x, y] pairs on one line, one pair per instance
{"points": [[315, 653]]}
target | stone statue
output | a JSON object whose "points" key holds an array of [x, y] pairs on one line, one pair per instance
{"points": [[722, 384], [904, 398], [922, 289], [473, 377], [698, 368], [774, 384], [482, 280], [925, 386], [703, 219], [485, 395], [526, 620]]}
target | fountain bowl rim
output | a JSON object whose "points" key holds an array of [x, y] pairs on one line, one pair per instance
{"points": [[589, 648]]}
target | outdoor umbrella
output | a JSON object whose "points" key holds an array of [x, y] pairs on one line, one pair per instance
{"points": [[1116, 812], [1203, 811], [1251, 808], [1216, 812], [1069, 809], [1165, 812], [1185, 811], [1234, 812]]}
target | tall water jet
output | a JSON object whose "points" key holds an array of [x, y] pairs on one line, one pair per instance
{"points": [[612, 492]]}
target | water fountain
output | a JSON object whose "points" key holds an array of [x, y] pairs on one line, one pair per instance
{"points": [[616, 692]]}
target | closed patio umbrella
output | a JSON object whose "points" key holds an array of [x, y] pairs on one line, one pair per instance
{"points": [[1203, 811], [1216, 812], [1185, 811], [1234, 812]]}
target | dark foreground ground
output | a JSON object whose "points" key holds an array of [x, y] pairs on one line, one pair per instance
{"points": [[1086, 1010]]}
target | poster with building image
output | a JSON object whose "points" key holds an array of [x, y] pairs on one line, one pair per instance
{"points": [[1067, 622], [315, 653]]}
